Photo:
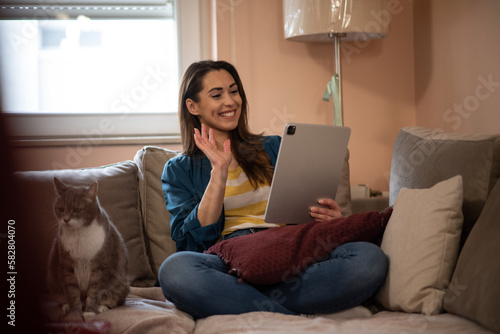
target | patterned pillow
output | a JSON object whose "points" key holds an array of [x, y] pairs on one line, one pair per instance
{"points": [[273, 255]]}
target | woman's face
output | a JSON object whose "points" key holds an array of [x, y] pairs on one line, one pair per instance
{"points": [[219, 102]]}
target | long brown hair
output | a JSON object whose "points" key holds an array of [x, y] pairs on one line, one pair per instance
{"points": [[247, 147]]}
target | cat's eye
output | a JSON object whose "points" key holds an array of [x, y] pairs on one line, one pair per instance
{"points": [[76, 210], [60, 210]]}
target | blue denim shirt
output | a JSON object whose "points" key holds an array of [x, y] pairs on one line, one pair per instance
{"points": [[184, 181]]}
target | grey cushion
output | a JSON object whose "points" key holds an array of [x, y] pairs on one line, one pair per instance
{"points": [[474, 291], [118, 193], [423, 157]]}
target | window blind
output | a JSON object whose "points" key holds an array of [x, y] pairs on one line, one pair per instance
{"points": [[94, 9]]}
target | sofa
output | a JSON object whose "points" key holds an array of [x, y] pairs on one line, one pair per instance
{"points": [[441, 241]]}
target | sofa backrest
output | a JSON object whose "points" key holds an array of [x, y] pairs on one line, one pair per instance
{"points": [[422, 157]]}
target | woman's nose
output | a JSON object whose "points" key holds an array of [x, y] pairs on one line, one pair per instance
{"points": [[229, 101]]}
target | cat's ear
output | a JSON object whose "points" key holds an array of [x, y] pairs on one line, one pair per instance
{"points": [[92, 191], [60, 187]]}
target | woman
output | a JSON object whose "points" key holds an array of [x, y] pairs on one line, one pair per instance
{"points": [[218, 190]]}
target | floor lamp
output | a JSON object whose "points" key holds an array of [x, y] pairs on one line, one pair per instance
{"points": [[335, 21]]}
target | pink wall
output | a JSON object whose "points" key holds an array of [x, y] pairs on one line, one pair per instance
{"points": [[457, 86]]}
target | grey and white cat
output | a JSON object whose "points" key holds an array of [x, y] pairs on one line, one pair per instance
{"points": [[88, 262]]}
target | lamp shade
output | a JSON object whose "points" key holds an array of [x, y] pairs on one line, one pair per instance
{"points": [[317, 20]]}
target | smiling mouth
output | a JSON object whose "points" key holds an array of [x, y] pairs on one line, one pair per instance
{"points": [[227, 113]]}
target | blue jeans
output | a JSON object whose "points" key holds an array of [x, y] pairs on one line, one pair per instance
{"points": [[200, 285]]}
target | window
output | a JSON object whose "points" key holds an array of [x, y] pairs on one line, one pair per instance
{"points": [[85, 69]]}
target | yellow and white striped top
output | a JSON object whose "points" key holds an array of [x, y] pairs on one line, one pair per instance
{"points": [[244, 206]]}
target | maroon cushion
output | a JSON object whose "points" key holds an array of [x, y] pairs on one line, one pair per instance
{"points": [[273, 255]]}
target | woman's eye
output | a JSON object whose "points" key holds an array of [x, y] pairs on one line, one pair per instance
{"points": [[235, 92], [216, 96]]}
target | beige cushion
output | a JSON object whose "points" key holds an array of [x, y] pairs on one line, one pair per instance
{"points": [[422, 241], [474, 291], [118, 193], [422, 157], [151, 161]]}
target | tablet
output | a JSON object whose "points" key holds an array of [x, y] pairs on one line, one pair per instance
{"points": [[308, 168]]}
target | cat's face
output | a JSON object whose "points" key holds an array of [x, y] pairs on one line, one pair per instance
{"points": [[75, 206]]}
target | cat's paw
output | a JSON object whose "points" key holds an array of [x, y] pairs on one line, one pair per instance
{"points": [[102, 308], [66, 308], [88, 315], [72, 315]]}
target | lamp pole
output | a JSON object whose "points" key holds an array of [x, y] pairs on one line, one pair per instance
{"points": [[338, 73]]}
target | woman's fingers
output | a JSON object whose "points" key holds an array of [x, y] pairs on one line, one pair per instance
{"points": [[204, 131], [227, 145], [211, 138], [205, 141], [330, 203], [331, 211]]}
